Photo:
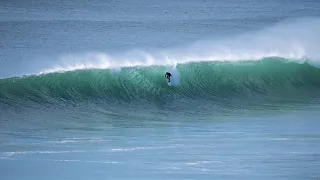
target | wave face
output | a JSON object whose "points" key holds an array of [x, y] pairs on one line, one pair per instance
{"points": [[202, 85]]}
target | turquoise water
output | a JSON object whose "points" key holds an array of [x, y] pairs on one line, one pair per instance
{"points": [[83, 93]]}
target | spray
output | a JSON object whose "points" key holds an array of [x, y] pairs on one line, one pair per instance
{"points": [[116, 71], [175, 75]]}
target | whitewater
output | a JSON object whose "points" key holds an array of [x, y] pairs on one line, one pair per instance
{"points": [[83, 93], [291, 39]]}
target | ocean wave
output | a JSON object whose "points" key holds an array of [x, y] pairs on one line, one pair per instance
{"points": [[272, 80]]}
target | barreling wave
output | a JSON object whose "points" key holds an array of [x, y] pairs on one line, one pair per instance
{"points": [[234, 84]]}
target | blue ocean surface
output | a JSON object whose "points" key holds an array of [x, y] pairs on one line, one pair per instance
{"points": [[83, 93]]}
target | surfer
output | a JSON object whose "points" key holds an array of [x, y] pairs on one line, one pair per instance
{"points": [[168, 75]]}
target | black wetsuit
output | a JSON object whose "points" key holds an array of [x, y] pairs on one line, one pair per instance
{"points": [[168, 75]]}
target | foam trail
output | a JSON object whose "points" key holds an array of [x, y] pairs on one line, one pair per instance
{"points": [[116, 71], [175, 79]]}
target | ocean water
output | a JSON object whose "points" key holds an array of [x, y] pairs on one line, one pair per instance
{"points": [[83, 93]]}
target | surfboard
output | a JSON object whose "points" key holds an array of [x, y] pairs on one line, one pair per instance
{"points": [[169, 83]]}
